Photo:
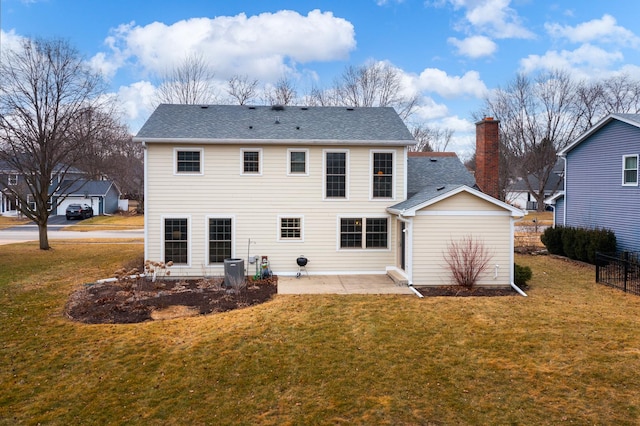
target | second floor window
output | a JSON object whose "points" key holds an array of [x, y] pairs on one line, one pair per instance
{"points": [[382, 175], [336, 175], [12, 179], [188, 161], [251, 162], [298, 162], [630, 170]]}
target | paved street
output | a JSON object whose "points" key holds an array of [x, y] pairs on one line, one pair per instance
{"points": [[29, 232]]}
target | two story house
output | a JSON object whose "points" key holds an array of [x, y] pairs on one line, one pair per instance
{"points": [[329, 183], [601, 180]]}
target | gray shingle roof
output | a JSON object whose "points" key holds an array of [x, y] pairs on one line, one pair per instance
{"points": [[203, 123], [435, 169], [82, 187], [427, 193]]}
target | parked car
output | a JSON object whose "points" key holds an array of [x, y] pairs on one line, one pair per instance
{"points": [[80, 211]]}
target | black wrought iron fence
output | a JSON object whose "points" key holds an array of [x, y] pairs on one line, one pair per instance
{"points": [[619, 270]]}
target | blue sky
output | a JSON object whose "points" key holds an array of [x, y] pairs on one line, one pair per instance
{"points": [[449, 52]]}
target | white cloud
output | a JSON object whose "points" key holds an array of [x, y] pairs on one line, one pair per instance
{"points": [[586, 61], [603, 30], [493, 17], [10, 40], [264, 46], [136, 102], [474, 47], [437, 81]]}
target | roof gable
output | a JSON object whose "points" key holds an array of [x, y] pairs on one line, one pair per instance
{"points": [[631, 119], [432, 195], [264, 124]]}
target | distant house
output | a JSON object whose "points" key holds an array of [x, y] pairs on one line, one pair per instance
{"points": [[334, 184], [101, 195], [601, 180], [518, 193]]}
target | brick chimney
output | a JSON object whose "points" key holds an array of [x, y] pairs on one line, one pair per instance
{"points": [[488, 156]]}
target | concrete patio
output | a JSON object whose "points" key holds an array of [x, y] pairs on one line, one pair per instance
{"points": [[340, 284]]}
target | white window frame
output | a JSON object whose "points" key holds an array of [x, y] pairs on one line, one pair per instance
{"points": [[189, 239], [12, 179], [393, 174], [306, 162], [364, 217], [233, 236], [259, 151], [279, 227], [324, 175], [175, 161], [624, 170]]}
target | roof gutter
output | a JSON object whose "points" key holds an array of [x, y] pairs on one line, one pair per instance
{"points": [[297, 141]]}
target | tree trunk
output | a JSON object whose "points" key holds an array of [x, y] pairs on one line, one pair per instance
{"points": [[43, 236]]}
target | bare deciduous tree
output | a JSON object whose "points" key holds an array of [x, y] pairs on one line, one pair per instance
{"points": [[46, 89], [191, 82], [537, 118], [431, 138], [282, 93], [241, 89], [373, 84]]}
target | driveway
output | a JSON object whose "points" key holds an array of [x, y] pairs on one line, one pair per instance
{"points": [[29, 232]]}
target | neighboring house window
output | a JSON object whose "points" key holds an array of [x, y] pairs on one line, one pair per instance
{"points": [[176, 241], [12, 180], [251, 160], [335, 174], [630, 170], [291, 228], [188, 161], [220, 240], [369, 233], [382, 175], [298, 161]]}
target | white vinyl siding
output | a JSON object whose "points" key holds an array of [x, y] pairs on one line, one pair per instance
{"points": [[256, 209], [452, 219]]}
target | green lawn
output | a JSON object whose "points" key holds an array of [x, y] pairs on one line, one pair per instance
{"points": [[567, 354]]}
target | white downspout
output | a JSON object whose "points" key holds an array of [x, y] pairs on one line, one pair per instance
{"points": [[409, 251]]}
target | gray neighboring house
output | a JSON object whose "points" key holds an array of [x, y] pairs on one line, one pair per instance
{"points": [[601, 180], [101, 195], [518, 194]]}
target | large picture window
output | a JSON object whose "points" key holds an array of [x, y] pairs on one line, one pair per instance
{"points": [[336, 174], [367, 233], [220, 240], [176, 241], [630, 170], [382, 175], [188, 161]]}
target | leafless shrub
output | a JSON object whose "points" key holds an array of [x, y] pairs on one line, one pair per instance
{"points": [[157, 269], [467, 258]]}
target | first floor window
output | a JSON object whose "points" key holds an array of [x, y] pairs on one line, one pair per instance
{"points": [[188, 161], [219, 240], [290, 228], [630, 170], [370, 233], [175, 241]]}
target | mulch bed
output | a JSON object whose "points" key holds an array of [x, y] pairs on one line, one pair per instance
{"points": [[457, 291], [135, 301]]}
